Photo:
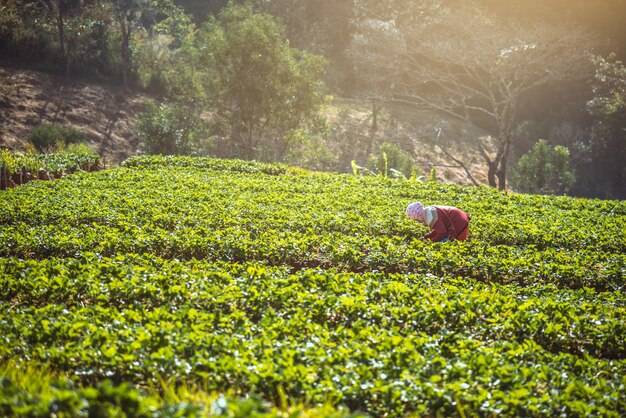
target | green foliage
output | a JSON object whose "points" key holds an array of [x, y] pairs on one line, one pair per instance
{"points": [[215, 164], [163, 60], [602, 171], [309, 148], [62, 397], [544, 169], [262, 88], [399, 159], [432, 176], [264, 95], [30, 32], [48, 135], [88, 40], [382, 164], [26, 31], [609, 86], [392, 161], [307, 289], [172, 129], [9, 161]]}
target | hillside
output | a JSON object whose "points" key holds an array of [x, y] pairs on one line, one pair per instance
{"points": [[232, 286], [29, 98]]}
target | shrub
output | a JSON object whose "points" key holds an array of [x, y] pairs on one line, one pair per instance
{"points": [[48, 135], [172, 130], [544, 169], [392, 161], [398, 159]]}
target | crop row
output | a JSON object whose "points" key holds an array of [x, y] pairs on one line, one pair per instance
{"points": [[17, 168], [360, 253], [375, 342], [241, 166], [61, 397], [173, 197], [343, 222]]}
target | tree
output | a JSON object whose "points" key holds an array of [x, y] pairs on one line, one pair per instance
{"points": [[544, 169], [261, 87], [77, 31], [465, 67], [372, 43], [132, 14], [58, 9], [127, 15], [604, 17], [70, 25], [322, 27], [605, 171], [483, 77], [171, 130], [609, 87]]}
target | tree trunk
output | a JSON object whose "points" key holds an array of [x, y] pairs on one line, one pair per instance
{"points": [[125, 60], [491, 173], [501, 164], [60, 25], [245, 138], [68, 59], [125, 49], [375, 111], [501, 175]]}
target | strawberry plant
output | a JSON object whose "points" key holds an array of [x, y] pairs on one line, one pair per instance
{"points": [[253, 278]]}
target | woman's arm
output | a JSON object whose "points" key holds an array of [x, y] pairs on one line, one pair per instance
{"points": [[438, 231]]}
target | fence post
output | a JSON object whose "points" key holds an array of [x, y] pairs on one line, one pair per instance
{"points": [[3, 180]]}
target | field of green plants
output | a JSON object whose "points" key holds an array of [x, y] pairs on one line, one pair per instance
{"points": [[202, 287]]}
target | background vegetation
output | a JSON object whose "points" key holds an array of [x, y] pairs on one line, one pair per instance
{"points": [[495, 77]]}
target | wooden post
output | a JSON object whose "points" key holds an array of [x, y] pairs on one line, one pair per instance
{"points": [[24, 175], [3, 180]]}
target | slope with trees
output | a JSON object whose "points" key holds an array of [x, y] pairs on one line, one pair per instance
{"points": [[476, 70]]}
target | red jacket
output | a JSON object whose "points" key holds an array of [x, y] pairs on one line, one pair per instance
{"points": [[451, 223]]}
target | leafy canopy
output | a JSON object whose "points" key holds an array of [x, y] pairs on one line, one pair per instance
{"points": [[544, 169], [261, 87]]}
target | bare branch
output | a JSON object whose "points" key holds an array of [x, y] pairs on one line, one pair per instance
{"points": [[460, 163]]}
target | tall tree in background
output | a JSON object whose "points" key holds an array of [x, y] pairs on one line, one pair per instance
{"points": [[463, 66], [261, 87], [60, 11], [606, 18], [605, 174], [133, 14], [128, 14], [322, 27]]}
